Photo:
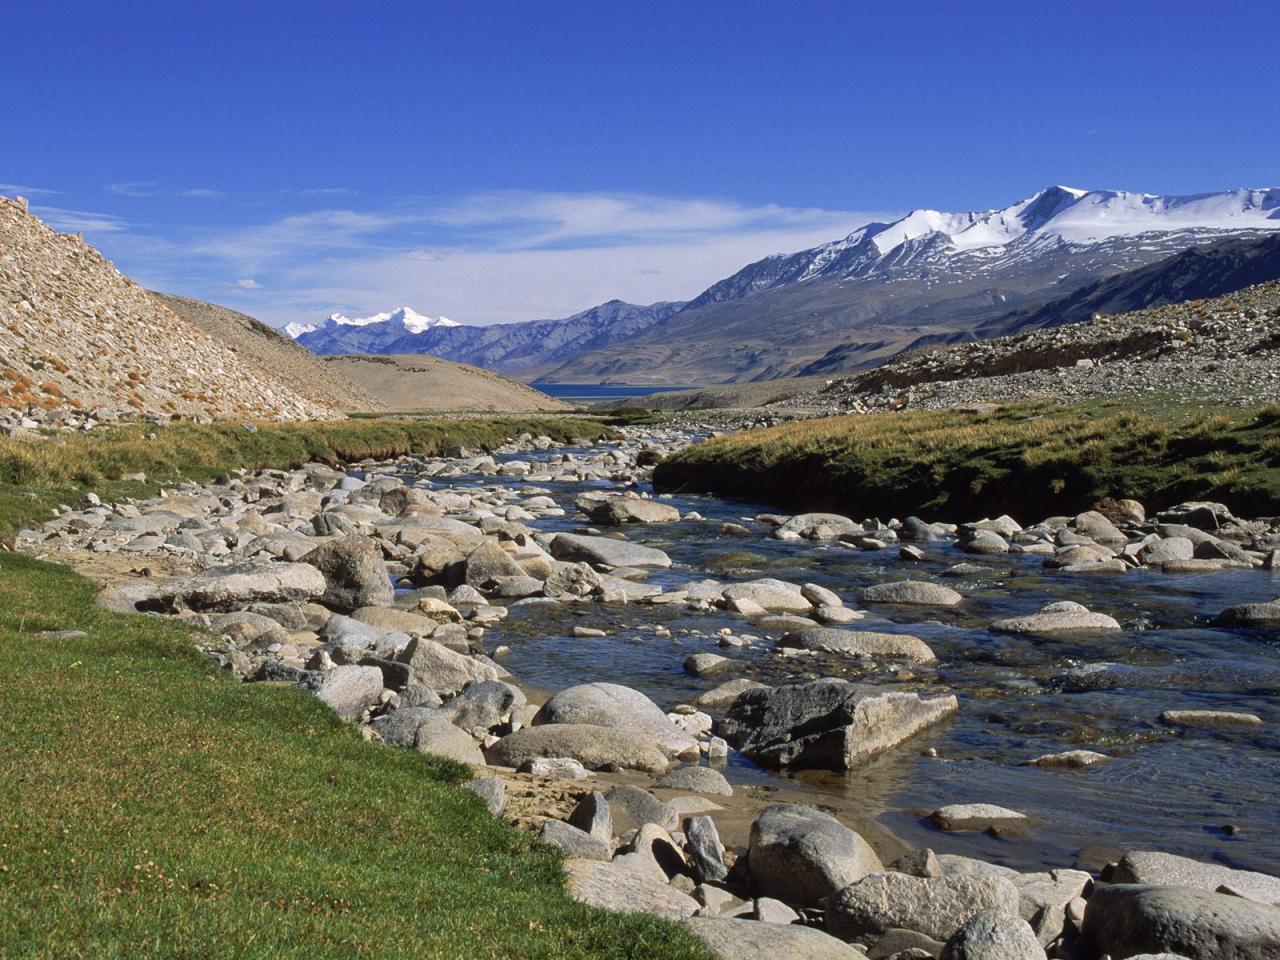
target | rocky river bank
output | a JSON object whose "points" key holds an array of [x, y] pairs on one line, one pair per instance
{"points": [[810, 733]]}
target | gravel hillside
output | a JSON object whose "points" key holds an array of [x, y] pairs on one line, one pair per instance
{"points": [[405, 384], [78, 337], [292, 364]]}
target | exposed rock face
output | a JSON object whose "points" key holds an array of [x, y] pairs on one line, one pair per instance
{"points": [[828, 724], [803, 856], [73, 328], [1126, 919]]}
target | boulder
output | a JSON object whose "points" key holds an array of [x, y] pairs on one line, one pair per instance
{"points": [[994, 936], [1097, 528], [935, 906], [861, 643], [1171, 548], [396, 621], [1210, 719], [593, 815], [976, 816], [574, 842], [437, 736], [1126, 919], [484, 704], [1251, 615], [613, 705], [773, 596], [615, 510], [606, 551], [594, 746], [488, 563], [350, 690], [727, 692], [697, 780], [827, 724], [803, 856], [622, 888], [706, 852], [442, 669], [632, 807], [911, 592], [732, 939], [239, 585], [1167, 870], [354, 573], [817, 526], [1064, 616], [492, 791]]}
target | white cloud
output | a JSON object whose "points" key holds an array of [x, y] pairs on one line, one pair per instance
{"points": [[203, 193], [23, 190], [134, 188], [80, 221], [248, 283]]}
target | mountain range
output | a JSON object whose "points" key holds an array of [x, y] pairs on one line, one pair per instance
{"points": [[929, 276]]}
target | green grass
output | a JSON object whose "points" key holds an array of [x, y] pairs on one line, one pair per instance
{"points": [[1029, 460], [153, 807]]}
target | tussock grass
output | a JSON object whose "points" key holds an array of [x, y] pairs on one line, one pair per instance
{"points": [[151, 806], [1031, 460]]}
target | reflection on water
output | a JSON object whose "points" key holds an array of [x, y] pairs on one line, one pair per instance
{"points": [[1020, 697]]}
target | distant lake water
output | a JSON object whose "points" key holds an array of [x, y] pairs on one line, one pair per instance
{"points": [[599, 392]]}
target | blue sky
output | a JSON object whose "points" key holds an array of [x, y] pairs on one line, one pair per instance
{"points": [[505, 161]]}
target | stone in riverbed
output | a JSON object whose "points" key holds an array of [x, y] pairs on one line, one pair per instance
{"points": [[492, 791], [820, 596], [1210, 718], [705, 850], [994, 936], [1171, 548], [239, 585], [727, 692], [1165, 869], [827, 724], [594, 746], [606, 551], [976, 816], [619, 887], [354, 572], [1069, 759], [861, 643], [707, 664], [618, 510], [633, 807], [487, 563], [816, 526], [558, 768], [935, 906], [613, 705], [911, 593], [801, 855], [1251, 615], [593, 815], [1126, 919], [442, 669], [773, 596], [732, 939], [574, 842], [1064, 616], [697, 780]]}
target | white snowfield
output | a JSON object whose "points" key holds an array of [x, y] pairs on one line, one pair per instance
{"points": [[407, 317]]}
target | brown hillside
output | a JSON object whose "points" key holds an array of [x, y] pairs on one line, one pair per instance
{"points": [[422, 383], [291, 363], [76, 333]]}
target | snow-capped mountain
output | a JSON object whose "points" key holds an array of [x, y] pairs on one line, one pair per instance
{"points": [[401, 320], [929, 274]]}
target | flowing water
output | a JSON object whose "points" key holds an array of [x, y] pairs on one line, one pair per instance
{"points": [[1164, 789]]}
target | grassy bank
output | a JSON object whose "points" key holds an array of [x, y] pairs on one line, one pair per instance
{"points": [[153, 807], [1030, 460]]}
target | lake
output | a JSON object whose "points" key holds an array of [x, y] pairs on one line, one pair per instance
{"points": [[600, 392]]}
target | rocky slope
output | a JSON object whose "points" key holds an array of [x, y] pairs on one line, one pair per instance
{"points": [[292, 365], [928, 276], [1224, 349], [78, 337], [520, 349], [405, 384]]}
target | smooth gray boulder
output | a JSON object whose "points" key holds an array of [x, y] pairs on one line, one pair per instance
{"points": [[594, 746], [442, 669], [488, 563], [1170, 548], [613, 705], [911, 593], [935, 906], [732, 939], [1126, 919], [1251, 615], [484, 704], [994, 936], [827, 724], [817, 526], [238, 585], [697, 780], [633, 807], [606, 551], [727, 692], [773, 596], [593, 815], [975, 816], [1064, 616], [574, 842], [1167, 870], [803, 856], [705, 851], [492, 791], [354, 573], [619, 887], [618, 510], [861, 643], [427, 730], [350, 690]]}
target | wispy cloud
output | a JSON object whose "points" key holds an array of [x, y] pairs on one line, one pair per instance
{"points": [[145, 189], [320, 192], [134, 188], [24, 190], [80, 221], [248, 283], [202, 193]]}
